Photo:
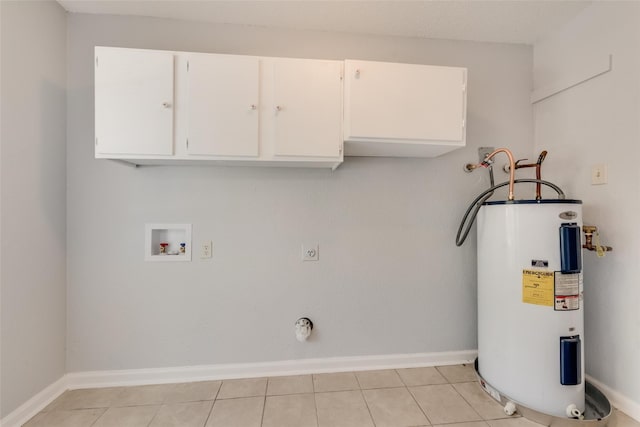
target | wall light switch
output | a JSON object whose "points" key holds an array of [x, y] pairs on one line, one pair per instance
{"points": [[206, 249], [310, 252], [599, 174]]}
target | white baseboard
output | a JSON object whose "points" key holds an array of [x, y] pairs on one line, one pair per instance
{"points": [[617, 399], [129, 377], [77, 380], [95, 379], [37, 403]]}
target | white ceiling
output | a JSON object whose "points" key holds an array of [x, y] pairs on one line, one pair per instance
{"points": [[506, 21]]}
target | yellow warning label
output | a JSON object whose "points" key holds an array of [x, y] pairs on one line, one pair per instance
{"points": [[537, 287]]}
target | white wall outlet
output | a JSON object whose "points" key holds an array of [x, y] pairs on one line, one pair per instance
{"points": [[599, 174], [206, 249], [310, 252]]}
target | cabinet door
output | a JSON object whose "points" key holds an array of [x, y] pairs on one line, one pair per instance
{"points": [[223, 103], [133, 102], [308, 108], [395, 102]]}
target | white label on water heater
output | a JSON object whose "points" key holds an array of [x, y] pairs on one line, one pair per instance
{"points": [[567, 291], [567, 302]]}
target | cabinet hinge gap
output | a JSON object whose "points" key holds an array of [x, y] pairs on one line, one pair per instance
{"points": [[96, 61], [96, 140], [187, 65]]}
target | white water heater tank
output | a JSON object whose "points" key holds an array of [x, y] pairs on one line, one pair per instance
{"points": [[530, 308]]}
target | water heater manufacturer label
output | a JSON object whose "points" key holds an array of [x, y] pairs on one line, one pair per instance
{"points": [[567, 291], [538, 287]]}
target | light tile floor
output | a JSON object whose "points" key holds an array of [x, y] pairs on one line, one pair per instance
{"points": [[446, 395]]}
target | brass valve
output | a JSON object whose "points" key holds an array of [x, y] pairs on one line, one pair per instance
{"points": [[592, 240]]}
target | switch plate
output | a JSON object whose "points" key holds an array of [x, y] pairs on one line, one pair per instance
{"points": [[310, 252], [599, 174], [206, 249]]}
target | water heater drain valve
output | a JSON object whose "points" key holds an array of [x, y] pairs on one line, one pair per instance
{"points": [[304, 325], [574, 412]]}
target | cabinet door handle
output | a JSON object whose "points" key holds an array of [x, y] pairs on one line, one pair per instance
{"points": [[253, 107], [278, 108], [166, 104], [357, 73]]}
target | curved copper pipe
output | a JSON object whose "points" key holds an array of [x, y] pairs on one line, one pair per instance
{"points": [[538, 166], [512, 167]]}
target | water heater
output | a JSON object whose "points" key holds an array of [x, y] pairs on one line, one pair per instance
{"points": [[530, 308]]}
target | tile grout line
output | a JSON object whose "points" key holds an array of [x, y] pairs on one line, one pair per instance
{"points": [[315, 402], [212, 405], [420, 407], [264, 402], [466, 401], [156, 414], [213, 402], [367, 405], [264, 406], [365, 399], [414, 398], [96, 420]]}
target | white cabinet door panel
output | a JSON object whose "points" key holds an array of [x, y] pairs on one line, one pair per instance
{"points": [[223, 103], [307, 108], [133, 102], [388, 101]]}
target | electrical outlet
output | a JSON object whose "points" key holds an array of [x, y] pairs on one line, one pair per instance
{"points": [[599, 174], [206, 249], [310, 252]]}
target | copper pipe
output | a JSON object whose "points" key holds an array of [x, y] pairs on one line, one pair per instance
{"points": [[538, 166], [486, 163]]}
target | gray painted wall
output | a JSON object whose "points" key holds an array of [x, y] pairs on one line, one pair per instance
{"points": [[33, 188], [390, 278], [598, 122]]}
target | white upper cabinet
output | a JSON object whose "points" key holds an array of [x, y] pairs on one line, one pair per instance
{"points": [[403, 110], [158, 107], [133, 102], [223, 105], [307, 107]]}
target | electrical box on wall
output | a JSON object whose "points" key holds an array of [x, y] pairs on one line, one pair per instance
{"points": [[167, 242]]}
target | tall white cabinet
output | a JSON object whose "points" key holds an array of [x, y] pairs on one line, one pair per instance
{"points": [[404, 109], [134, 102]]}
